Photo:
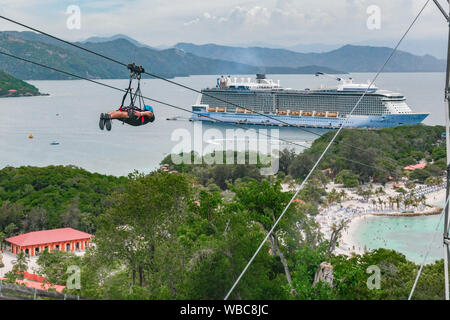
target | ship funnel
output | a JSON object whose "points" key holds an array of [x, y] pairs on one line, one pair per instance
{"points": [[260, 76]]}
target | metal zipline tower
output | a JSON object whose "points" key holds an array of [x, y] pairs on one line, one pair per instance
{"points": [[446, 237]]}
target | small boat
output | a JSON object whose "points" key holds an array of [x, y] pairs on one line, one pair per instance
{"points": [[30, 136], [54, 143]]}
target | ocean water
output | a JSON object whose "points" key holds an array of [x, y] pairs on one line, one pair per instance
{"points": [[408, 235], [70, 116]]}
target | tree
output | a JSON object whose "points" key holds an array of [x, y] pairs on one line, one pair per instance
{"points": [[265, 203], [301, 165], [142, 225], [420, 175], [224, 245], [410, 185], [53, 266], [2, 238], [11, 229], [36, 220], [285, 159], [347, 178], [20, 266]]}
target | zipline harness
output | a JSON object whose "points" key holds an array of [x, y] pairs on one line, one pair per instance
{"points": [[135, 98]]}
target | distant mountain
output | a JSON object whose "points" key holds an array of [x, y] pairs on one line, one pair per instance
{"points": [[13, 87], [116, 37], [168, 63], [349, 57], [313, 47]]}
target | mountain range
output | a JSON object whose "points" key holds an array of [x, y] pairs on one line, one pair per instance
{"points": [[168, 63], [189, 59], [350, 58]]}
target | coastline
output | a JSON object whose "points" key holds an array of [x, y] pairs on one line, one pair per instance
{"points": [[349, 244], [25, 95]]}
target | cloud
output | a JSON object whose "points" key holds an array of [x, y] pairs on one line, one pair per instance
{"points": [[280, 22]]}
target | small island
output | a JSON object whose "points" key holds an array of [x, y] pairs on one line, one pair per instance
{"points": [[13, 87]]}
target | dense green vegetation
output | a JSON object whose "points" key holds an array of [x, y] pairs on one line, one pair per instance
{"points": [[193, 244], [56, 196], [187, 234], [358, 156], [376, 154], [8, 82]]}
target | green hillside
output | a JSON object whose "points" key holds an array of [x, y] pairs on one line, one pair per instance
{"points": [[13, 87], [168, 63]]}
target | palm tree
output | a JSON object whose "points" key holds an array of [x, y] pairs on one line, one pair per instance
{"points": [[374, 203], [391, 202], [20, 266], [381, 203], [343, 195], [398, 199], [423, 199]]}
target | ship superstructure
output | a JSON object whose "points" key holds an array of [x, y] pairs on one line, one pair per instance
{"points": [[330, 107]]}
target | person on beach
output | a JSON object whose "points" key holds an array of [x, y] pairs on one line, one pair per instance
{"points": [[130, 115]]}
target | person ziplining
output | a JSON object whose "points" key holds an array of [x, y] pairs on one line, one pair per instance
{"points": [[132, 115]]}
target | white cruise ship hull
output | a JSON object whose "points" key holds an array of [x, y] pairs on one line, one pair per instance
{"points": [[354, 121]]}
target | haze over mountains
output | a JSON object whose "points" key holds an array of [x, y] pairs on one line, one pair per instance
{"points": [[349, 58], [189, 59]]}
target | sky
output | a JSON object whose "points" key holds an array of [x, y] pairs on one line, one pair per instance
{"points": [[277, 23]]}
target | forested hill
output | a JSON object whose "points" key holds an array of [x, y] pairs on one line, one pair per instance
{"points": [[168, 63], [12, 87], [349, 57]]}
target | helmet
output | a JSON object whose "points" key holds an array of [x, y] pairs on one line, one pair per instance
{"points": [[148, 108]]}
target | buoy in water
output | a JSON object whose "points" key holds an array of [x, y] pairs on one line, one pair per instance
{"points": [[30, 136]]}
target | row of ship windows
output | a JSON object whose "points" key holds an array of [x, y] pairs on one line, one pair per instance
{"points": [[342, 105]]}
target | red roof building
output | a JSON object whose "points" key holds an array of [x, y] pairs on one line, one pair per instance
{"points": [[419, 166], [65, 239]]}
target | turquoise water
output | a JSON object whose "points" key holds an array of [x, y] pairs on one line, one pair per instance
{"points": [[408, 235]]}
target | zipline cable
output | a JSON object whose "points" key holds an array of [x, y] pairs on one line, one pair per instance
{"points": [[181, 85], [173, 106], [322, 155]]}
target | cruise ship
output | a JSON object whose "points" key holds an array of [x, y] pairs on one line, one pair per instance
{"points": [[265, 102]]}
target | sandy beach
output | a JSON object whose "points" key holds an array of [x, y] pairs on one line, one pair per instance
{"points": [[348, 243], [355, 210]]}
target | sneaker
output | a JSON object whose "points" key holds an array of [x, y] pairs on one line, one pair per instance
{"points": [[108, 122], [101, 122]]}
